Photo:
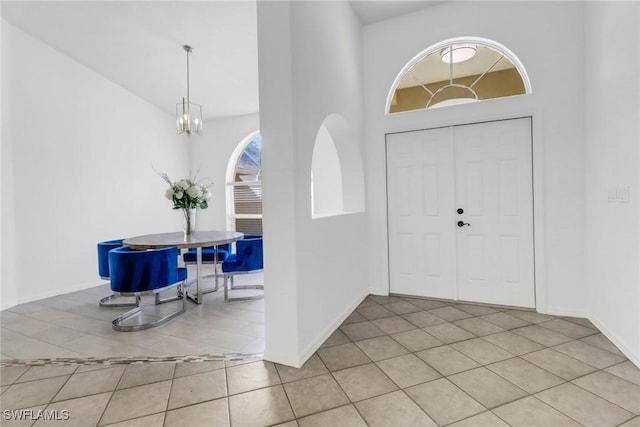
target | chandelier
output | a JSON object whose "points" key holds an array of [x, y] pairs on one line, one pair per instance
{"points": [[188, 115]]}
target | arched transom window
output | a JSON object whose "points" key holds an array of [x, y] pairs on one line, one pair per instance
{"points": [[457, 71]]}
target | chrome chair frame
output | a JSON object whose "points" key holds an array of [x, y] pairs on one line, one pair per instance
{"points": [[216, 261], [133, 274], [110, 300], [229, 285], [246, 256], [215, 274], [118, 322]]}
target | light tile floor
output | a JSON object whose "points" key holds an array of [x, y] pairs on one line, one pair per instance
{"points": [[394, 362], [73, 325]]}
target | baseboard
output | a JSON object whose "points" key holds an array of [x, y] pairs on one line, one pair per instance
{"points": [[622, 346], [379, 291], [281, 358], [7, 304], [58, 292], [615, 339], [326, 333], [563, 311]]}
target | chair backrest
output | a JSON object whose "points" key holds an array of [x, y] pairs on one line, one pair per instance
{"points": [[221, 248], [140, 271], [251, 236], [208, 254], [249, 254], [225, 247], [103, 256]]}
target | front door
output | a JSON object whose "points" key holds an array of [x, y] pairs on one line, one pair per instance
{"points": [[460, 209]]}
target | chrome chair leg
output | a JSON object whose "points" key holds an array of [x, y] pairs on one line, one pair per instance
{"points": [[234, 286], [118, 323], [112, 301], [228, 285], [179, 295]]}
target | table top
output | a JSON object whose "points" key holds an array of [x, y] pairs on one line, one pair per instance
{"points": [[198, 239]]}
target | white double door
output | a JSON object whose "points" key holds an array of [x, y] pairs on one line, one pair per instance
{"points": [[460, 213]]}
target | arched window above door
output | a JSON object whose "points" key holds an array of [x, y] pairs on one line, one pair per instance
{"points": [[457, 71]]}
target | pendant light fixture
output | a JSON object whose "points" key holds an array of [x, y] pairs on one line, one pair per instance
{"points": [[457, 53], [188, 115]]}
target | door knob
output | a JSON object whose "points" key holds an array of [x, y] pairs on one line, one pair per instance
{"points": [[460, 211], [462, 224]]}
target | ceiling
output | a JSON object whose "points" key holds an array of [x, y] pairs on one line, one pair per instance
{"points": [[373, 11], [138, 44]]}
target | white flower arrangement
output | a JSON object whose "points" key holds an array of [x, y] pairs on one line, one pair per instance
{"points": [[187, 193]]}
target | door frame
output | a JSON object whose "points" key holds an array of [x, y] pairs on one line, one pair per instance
{"points": [[537, 170]]}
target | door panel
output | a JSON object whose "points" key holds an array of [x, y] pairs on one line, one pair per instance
{"points": [[420, 202], [484, 169], [494, 161]]}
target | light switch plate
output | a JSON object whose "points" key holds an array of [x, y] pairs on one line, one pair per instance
{"points": [[619, 195]]}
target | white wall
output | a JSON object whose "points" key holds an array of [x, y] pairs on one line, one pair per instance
{"points": [[210, 154], [278, 204], [612, 85], [310, 67], [76, 156], [556, 105]]}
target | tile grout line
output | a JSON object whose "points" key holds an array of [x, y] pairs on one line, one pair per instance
{"points": [[113, 392], [284, 389], [227, 392], [518, 356], [416, 328]]}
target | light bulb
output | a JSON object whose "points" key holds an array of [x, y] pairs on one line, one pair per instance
{"points": [[457, 53]]}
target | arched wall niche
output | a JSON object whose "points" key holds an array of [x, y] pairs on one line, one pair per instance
{"points": [[337, 175], [436, 77]]}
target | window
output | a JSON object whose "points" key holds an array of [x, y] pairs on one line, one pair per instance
{"points": [[457, 71], [244, 186]]}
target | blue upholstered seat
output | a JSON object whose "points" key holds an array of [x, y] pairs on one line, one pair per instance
{"points": [[103, 256], [208, 254], [136, 273], [112, 300], [247, 259]]}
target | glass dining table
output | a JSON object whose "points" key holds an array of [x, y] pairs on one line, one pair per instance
{"points": [[198, 240]]}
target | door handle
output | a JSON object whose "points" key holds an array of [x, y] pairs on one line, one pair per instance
{"points": [[462, 224]]}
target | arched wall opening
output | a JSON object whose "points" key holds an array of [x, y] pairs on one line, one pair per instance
{"points": [[337, 175], [326, 177]]}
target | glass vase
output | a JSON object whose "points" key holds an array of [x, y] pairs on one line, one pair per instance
{"points": [[189, 222]]}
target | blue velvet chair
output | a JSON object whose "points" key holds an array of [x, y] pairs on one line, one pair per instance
{"points": [[247, 259], [104, 247], [148, 272], [209, 257], [208, 254]]}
